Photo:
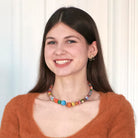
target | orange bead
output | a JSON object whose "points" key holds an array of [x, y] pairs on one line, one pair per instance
{"points": [[55, 100], [76, 103], [68, 104]]}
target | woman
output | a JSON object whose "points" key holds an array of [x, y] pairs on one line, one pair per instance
{"points": [[72, 97]]}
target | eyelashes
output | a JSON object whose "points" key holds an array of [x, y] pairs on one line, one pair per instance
{"points": [[67, 42], [51, 43], [71, 41]]}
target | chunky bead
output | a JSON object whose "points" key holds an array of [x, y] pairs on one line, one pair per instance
{"points": [[63, 102], [49, 93], [76, 103], [52, 98], [79, 102], [90, 94], [82, 100], [86, 97], [68, 104], [73, 104], [59, 101], [55, 100]]}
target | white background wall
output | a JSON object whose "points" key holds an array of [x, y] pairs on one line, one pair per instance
{"points": [[21, 28]]}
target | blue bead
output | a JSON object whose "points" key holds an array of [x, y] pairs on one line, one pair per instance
{"points": [[86, 97], [63, 102], [52, 98]]}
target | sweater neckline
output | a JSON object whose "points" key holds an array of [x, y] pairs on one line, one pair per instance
{"points": [[36, 127]]}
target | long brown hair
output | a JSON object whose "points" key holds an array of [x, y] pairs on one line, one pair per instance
{"points": [[83, 23]]}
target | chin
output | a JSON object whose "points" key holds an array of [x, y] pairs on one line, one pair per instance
{"points": [[66, 74], [63, 75]]}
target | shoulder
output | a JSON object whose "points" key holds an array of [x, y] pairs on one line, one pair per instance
{"points": [[112, 97], [20, 100], [117, 102]]}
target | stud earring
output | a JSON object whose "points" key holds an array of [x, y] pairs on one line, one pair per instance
{"points": [[91, 58]]}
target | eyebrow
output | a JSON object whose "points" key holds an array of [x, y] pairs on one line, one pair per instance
{"points": [[71, 36], [50, 38], [64, 37]]}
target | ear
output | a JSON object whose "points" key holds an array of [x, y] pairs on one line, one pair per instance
{"points": [[92, 49]]}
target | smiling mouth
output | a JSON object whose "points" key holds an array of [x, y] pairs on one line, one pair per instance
{"points": [[62, 61]]}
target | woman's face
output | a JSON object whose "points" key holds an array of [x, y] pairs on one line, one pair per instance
{"points": [[66, 51]]}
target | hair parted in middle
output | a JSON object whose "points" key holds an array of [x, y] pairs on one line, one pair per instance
{"points": [[83, 23]]}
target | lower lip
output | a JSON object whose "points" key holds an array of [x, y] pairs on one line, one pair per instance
{"points": [[62, 65]]}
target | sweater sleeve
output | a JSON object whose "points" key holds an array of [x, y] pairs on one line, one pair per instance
{"points": [[123, 125], [9, 124]]}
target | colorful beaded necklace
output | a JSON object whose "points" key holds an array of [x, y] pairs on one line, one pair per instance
{"points": [[69, 104]]}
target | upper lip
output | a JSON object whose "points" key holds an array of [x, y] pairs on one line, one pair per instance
{"points": [[61, 59]]}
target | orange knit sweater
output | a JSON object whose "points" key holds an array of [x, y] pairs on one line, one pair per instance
{"points": [[114, 120]]}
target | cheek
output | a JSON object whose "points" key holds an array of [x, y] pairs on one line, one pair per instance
{"points": [[82, 53], [81, 57], [47, 56], [47, 53]]}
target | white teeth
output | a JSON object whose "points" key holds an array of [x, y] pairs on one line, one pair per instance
{"points": [[62, 61]]}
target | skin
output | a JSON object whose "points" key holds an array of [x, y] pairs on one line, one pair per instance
{"points": [[64, 43], [71, 78]]}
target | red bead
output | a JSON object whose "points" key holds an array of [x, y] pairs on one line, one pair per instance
{"points": [[55, 100], [49, 93]]}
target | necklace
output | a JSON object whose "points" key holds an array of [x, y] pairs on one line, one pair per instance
{"points": [[69, 104]]}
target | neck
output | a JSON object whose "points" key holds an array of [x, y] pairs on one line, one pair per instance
{"points": [[70, 89]]}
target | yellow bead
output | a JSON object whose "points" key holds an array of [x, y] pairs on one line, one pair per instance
{"points": [[73, 104]]}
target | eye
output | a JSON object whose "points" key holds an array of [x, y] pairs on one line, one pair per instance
{"points": [[51, 43], [71, 41]]}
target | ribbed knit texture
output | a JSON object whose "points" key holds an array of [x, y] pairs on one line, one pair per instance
{"points": [[114, 120]]}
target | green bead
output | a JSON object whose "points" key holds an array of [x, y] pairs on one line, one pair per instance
{"points": [[82, 100], [59, 101]]}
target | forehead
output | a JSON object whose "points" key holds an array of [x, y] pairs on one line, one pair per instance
{"points": [[62, 30]]}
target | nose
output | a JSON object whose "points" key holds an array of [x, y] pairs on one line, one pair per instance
{"points": [[60, 50]]}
